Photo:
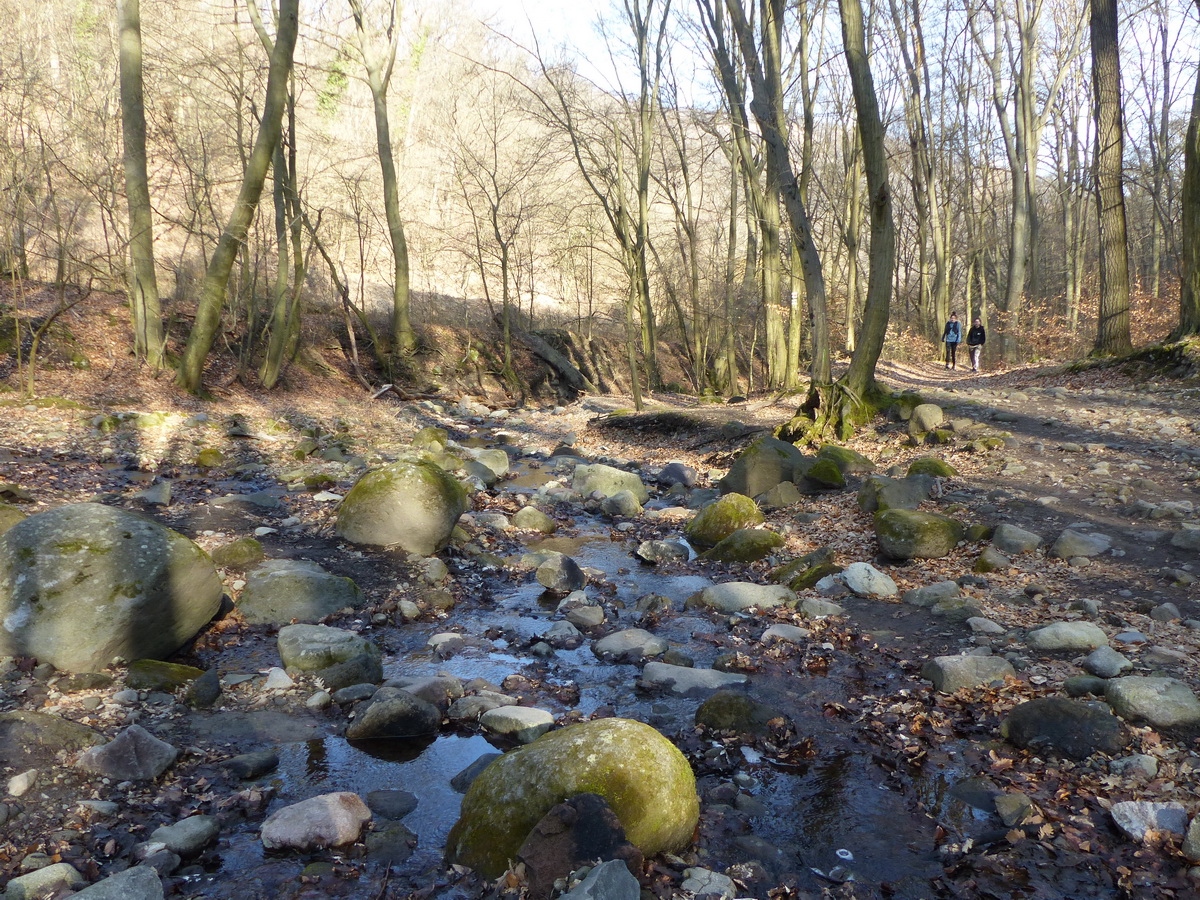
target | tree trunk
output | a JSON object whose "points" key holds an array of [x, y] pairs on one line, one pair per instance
{"points": [[1189, 288], [216, 278], [143, 283], [1112, 336]]}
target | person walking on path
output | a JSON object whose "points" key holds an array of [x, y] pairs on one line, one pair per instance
{"points": [[976, 338], [952, 337]]}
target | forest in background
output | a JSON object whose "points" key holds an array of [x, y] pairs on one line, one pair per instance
{"points": [[659, 204]]}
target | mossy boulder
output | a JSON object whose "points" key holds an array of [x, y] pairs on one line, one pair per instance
{"points": [[810, 576], [284, 590], [239, 554], [413, 505], [85, 583], [825, 475], [848, 461], [430, 437], [763, 464], [721, 518], [314, 648], [156, 675], [738, 712], [607, 481], [9, 516], [909, 534], [640, 774], [745, 545], [210, 458], [932, 465], [879, 492]]}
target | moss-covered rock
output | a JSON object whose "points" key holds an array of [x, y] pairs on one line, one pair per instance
{"points": [[810, 576], [639, 773], [880, 492], [847, 460], [9, 516], [430, 437], [607, 481], [762, 465], [414, 505], [909, 534], [738, 712], [745, 545], [314, 648], [210, 458], [85, 583], [825, 474], [932, 465], [156, 675], [721, 518], [239, 554]]}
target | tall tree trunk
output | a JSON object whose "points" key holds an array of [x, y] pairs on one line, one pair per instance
{"points": [[1189, 287], [144, 306], [216, 278], [1112, 336]]}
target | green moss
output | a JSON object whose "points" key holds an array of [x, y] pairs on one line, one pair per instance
{"points": [[931, 465], [239, 554], [430, 436], [210, 458], [810, 576], [722, 518], [909, 534], [848, 461], [156, 675], [826, 473], [746, 545]]}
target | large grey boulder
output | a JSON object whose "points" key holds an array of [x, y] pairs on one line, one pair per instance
{"points": [[413, 505], [138, 883], [925, 417], [282, 590], [85, 583], [1163, 702], [395, 714], [329, 820], [762, 465], [952, 673], [880, 492], [629, 645], [133, 755], [1072, 728], [607, 481]]}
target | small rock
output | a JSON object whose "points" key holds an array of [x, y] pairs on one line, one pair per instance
{"points": [[630, 645], [706, 883], [45, 882], [561, 574], [1138, 765], [980, 625], [328, 820], [1067, 636], [251, 765], [685, 680], [187, 837], [735, 596], [1012, 539], [1105, 662], [1071, 544], [867, 581], [789, 634], [1013, 809], [1163, 702], [20, 784], [932, 594], [1142, 820], [608, 881], [953, 673], [522, 723], [134, 755]]}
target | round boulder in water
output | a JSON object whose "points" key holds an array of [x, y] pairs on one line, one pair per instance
{"points": [[85, 583], [413, 505], [639, 773]]}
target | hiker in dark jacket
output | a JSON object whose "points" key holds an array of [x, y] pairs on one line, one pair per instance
{"points": [[976, 338], [952, 337]]}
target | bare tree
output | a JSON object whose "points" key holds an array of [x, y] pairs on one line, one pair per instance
{"points": [[1189, 276]]}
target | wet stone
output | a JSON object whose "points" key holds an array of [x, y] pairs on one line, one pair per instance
{"points": [[328, 820], [1072, 728], [685, 680], [461, 781], [187, 837], [630, 645], [251, 765], [391, 804], [571, 835], [953, 673], [789, 634], [521, 723]]}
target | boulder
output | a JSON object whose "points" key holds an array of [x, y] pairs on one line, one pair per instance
{"points": [[133, 755], [560, 574], [932, 594], [1067, 636], [630, 645], [953, 673], [328, 820], [1072, 543], [991, 560], [530, 518], [746, 545], [722, 518], [282, 590], [762, 465], [909, 534], [677, 473], [45, 882], [781, 496], [1012, 539], [1140, 820], [865, 580], [187, 837], [83, 584], [156, 675], [1072, 728], [925, 417], [686, 680], [622, 503], [311, 648], [1163, 702], [394, 713], [521, 723], [848, 462], [27, 737], [932, 467], [138, 883], [879, 492], [1105, 662], [239, 554], [824, 475], [414, 505], [654, 552], [648, 783], [734, 596], [607, 481]]}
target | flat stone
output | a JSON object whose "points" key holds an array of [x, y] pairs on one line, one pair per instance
{"points": [[251, 765], [953, 673], [684, 680], [187, 837], [788, 634], [1072, 543], [394, 713], [980, 625], [522, 723], [707, 883], [865, 580], [138, 883], [44, 882], [735, 596], [1067, 636], [1139, 820], [1073, 728], [814, 608], [311, 648], [391, 804]]}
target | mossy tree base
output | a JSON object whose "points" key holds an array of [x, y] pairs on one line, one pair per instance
{"points": [[833, 411]]}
